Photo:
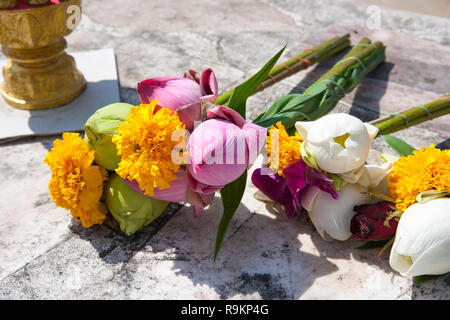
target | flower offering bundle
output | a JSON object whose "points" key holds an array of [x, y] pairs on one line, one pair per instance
{"points": [[185, 142], [135, 159]]}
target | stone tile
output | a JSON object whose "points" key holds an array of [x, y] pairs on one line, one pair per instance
{"points": [[248, 15]]}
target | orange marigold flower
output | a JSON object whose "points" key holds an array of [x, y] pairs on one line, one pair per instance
{"points": [[76, 184], [288, 148], [426, 169], [145, 143]]}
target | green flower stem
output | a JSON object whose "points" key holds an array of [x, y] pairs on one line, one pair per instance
{"points": [[413, 116], [323, 95], [363, 49], [365, 52], [317, 54], [280, 72]]}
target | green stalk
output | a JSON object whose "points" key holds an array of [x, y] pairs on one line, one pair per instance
{"points": [[280, 72], [323, 95], [364, 51], [413, 116], [359, 51]]}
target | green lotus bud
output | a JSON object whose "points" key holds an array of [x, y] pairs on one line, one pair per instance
{"points": [[130, 208], [101, 127]]}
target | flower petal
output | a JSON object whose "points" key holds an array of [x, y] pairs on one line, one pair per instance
{"points": [[371, 130], [339, 142], [373, 174], [208, 85], [189, 114], [296, 181], [434, 260], [199, 201], [171, 93], [207, 81], [369, 222], [332, 218], [200, 187], [309, 197], [255, 136], [422, 226], [217, 152], [175, 193], [319, 180], [275, 187], [225, 113]]}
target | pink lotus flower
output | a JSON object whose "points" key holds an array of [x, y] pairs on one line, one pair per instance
{"points": [[201, 178]]}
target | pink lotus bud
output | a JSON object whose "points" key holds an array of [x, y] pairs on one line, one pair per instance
{"points": [[217, 152], [171, 92], [222, 148], [369, 222], [181, 94]]}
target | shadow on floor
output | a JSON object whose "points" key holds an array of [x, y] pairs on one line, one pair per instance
{"points": [[444, 145], [256, 257], [262, 255], [114, 246], [317, 71], [366, 103]]}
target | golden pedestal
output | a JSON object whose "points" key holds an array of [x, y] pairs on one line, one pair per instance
{"points": [[39, 74]]}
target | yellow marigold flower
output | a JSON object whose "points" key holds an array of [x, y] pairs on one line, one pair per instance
{"points": [[426, 169], [76, 184], [145, 143], [288, 148]]}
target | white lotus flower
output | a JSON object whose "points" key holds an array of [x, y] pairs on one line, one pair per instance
{"points": [[332, 217], [422, 241], [339, 142]]}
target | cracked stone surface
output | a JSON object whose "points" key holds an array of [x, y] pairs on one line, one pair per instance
{"points": [[45, 254]]}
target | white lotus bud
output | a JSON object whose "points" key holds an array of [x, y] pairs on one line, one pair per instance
{"points": [[338, 142], [422, 241]]}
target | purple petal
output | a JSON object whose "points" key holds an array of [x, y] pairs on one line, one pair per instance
{"points": [[319, 180], [296, 182], [275, 187], [295, 178]]}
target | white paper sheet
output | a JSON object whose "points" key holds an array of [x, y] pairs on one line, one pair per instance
{"points": [[99, 69]]}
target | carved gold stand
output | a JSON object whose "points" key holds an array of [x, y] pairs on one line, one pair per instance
{"points": [[38, 74]]}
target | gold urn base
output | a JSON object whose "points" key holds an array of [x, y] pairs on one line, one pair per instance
{"points": [[42, 81], [39, 73]]}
